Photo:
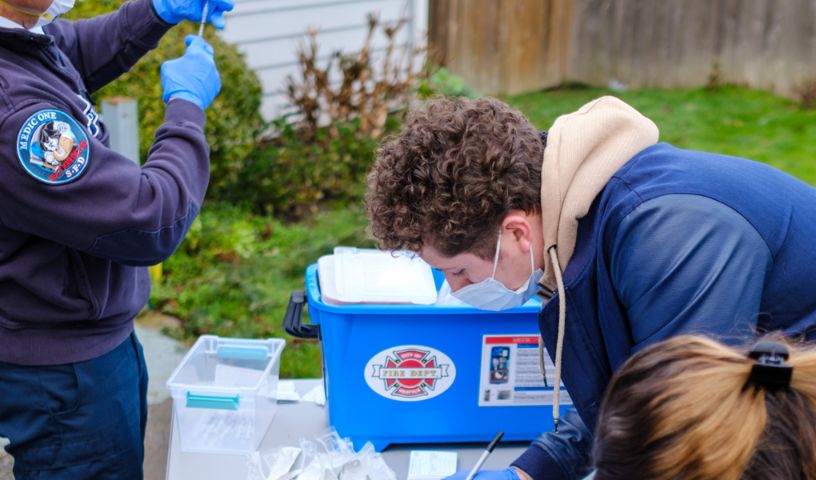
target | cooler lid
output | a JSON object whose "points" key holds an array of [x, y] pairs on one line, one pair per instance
{"points": [[358, 275]]}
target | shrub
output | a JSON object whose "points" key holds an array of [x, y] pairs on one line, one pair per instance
{"points": [[807, 94], [233, 274], [322, 154], [233, 120], [290, 178], [369, 89], [442, 82]]}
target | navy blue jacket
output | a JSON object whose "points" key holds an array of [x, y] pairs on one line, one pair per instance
{"points": [[79, 221], [677, 242]]}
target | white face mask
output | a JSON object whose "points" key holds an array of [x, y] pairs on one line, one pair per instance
{"points": [[491, 294], [57, 9]]}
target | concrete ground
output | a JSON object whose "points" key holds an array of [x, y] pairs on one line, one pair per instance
{"points": [[156, 440], [162, 355]]}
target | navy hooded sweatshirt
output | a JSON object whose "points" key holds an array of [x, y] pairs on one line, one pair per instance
{"points": [[678, 242], [80, 223]]}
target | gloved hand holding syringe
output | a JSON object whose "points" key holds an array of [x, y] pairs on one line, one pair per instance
{"points": [[193, 77]]}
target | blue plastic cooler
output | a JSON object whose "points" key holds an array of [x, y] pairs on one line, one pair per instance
{"points": [[427, 374]]}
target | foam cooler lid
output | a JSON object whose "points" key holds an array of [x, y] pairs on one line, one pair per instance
{"points": [[354, 275]]}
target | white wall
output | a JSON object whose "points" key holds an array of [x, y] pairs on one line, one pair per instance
{"points": [[268, 32]]}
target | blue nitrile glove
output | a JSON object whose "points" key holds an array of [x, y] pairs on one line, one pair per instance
{"points": [[193, 76], [174, 11], [508, 474]]}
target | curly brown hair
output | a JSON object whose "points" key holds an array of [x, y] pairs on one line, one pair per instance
{"points": [[451, 176]]}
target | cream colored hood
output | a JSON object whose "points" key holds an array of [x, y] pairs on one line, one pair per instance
{"points": [[584, 149]]}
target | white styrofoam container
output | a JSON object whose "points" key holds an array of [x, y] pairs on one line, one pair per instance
{"points": [[225, 393], [359, 275]]}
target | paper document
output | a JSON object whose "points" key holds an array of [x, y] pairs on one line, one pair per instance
{"points": [[287, 391], [431, 465], [316, 395]]}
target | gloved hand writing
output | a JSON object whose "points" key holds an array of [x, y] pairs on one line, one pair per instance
{"points": [[174, 11], [508, 474], [192, 77]]}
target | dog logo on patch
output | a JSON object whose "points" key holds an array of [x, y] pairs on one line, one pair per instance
{"points": [[410, 373], [52, 147]]}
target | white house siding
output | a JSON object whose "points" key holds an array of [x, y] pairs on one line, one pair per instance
{"points": [[269, 32]]}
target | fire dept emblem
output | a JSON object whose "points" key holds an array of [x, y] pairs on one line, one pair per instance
{"points": [[410, 373]]}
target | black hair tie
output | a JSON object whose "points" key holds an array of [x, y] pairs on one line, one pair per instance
{"points": [[770, 371]]}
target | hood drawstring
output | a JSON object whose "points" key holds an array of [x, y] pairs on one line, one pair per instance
{"points": [[559, 345], [542, 367]]}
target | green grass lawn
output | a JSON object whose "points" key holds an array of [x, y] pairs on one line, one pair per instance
{"points": [[235, 271], [729, 120]]}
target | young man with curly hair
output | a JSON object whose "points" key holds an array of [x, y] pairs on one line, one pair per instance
{"points": [[629, 241]]}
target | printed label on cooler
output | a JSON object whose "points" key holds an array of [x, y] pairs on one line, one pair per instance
{"points": [[410, 373], [510, 375]]}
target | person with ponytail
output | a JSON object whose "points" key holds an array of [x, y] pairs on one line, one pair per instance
{"points": [[692, 408]]}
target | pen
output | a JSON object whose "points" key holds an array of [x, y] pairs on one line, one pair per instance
{"points": [[482, 459], [203, 18]]}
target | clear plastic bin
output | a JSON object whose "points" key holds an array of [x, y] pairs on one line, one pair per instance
{"points": [[225, 393]]}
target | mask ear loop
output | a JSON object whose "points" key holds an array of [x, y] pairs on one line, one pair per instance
{"points": [[496, 257], [532, 261]]}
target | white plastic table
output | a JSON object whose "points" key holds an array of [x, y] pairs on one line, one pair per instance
{"points": [[294, 421]]}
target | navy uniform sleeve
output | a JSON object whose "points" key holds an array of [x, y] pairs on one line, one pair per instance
{"points": [[559, 455], [62, 184], [689, 264], [104, 47]]}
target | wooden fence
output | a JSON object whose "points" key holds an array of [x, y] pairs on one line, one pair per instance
{"points": [[511, 46]]}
